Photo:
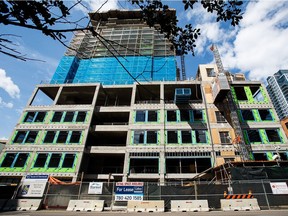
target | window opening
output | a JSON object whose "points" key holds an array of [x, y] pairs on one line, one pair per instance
{"points": [[41, 160], [220, 117], [172, 137], [273, 135], [68, 161], [57, 116], [240, 93], [227, 160], [40, 117], [254, 136], [31, 137], [81, 117], [138, 137], [75, 137], [265, 115], [186, 136], [8, 160], [211, 72], [247, 115], [29, 117], [54, 160], [140, 116], [171, 115], [184, 114], [151, 137], [19, 138], [224, 137], [198, 115], [62, 137], [49, 138], [69, 117], [257, 94], [200, 136], [260, 156], [21, 160], [152, 116]]}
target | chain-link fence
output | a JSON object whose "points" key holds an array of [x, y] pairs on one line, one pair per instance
{"points": [[58, 196]]}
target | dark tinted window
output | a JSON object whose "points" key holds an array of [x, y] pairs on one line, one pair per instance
{"points": [[8, 160], [54, 160], [68, 161], [41, 160], [21, 160]]}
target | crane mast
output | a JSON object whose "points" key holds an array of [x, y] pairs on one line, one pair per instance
{"points": [[245, 150]]}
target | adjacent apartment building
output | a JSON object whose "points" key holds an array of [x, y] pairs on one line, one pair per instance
{"points": [[278, 91], [116, 109]]}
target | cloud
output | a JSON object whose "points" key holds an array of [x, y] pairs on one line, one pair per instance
{"points": [[95, 5], [4, 104], [211, 31], [8, 85], [258, 46]]}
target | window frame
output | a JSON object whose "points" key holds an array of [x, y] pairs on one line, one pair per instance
{"points": [[278, 135], [220, 118], [254, 142], [189, 132], [143, 136], [205, 134], [225, 138], [15, 159]]}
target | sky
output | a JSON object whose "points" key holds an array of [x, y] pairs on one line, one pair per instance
{"points": [[257, 47]]}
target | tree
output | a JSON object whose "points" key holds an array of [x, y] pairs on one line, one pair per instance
{"points": [[50, 16]]}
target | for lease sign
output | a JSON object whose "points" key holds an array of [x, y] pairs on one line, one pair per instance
{"points": [[125, 191]]}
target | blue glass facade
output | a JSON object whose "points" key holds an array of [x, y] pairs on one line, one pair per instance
{"points": [[108, 71]]}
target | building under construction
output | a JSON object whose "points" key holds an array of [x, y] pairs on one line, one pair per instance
{"points": [[117, 109]]}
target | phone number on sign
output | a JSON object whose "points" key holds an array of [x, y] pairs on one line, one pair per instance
{"points": [[128, 197]]}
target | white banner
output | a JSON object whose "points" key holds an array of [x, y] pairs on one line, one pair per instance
{"points": [[33, 186], [279, 187], [95, 188]]}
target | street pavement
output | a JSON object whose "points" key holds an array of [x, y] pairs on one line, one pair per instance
{"points": [[211, 213]]}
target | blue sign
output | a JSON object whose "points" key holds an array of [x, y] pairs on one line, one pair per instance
{"points": [[129, 190], [37, 177]]}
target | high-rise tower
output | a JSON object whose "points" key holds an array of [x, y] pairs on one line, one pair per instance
{"points": [[278, 91], [123, 50]]}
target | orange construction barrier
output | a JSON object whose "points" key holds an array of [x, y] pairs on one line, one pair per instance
{"points": [[53, 180]]}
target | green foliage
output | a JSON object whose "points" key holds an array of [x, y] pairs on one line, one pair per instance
{"points": [[46, 14], [40, 15], [156, 14]]}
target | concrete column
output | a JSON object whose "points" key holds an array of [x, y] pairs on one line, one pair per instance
{"points": [[133, 96], [79, 161], [57, 95], [162, 167], [126, 167], [34, 93], [162, 138], [162, 93], [29, 165], [95, 95]]}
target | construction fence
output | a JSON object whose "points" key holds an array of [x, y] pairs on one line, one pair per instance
{"points": [[58, 196]]}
